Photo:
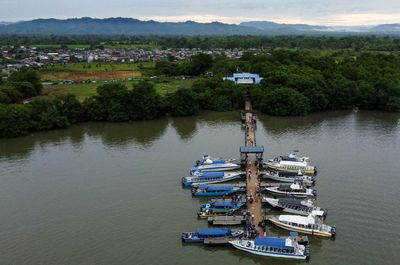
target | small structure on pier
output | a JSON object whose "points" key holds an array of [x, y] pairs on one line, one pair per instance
{"points": [[258, 151], [244, 78]]}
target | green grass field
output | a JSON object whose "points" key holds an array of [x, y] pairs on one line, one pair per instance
{"points": [[93, 67], [89, 89]]}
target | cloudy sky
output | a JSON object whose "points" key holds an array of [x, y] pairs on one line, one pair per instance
{"points": [[321, 12]]}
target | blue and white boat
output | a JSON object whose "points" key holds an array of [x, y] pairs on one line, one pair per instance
{"points": [[207, 160], [208, 165], [228, 206], [206, 190], [293, 247], [212, 236], [199, 178]]}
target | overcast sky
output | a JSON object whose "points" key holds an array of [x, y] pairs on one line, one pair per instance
{"points": [[321, 12]]}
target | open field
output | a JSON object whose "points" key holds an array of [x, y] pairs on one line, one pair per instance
{"points": [[86, 75], [97, 67], [95, 71], [89, 89]]}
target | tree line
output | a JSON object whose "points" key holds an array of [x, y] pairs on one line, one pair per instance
{"points": [[358, 43], [295, 83]]}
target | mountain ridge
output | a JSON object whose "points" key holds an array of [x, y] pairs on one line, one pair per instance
{"points": [[133, 26]]}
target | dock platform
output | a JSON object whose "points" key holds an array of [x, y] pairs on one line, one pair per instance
{"points": [[227, 220], [254, 208]]}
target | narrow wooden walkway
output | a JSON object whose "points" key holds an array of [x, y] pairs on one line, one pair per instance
{"points": [[254, 208]]}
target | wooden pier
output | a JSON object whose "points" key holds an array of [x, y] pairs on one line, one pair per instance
{"points": [[252, 181]]}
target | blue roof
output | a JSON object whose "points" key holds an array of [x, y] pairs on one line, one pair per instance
{"points": [[252, 149], [275, 242], [216, 188], [212, 175], [224, 204], [214, 232], [236, 77]]}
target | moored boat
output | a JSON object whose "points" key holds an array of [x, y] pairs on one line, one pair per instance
{"points": [[292, 163], [215, 167], [207, 160], [311, 224], [199, 178], [293, 190], [210, 235], [294, 206], [207, 190], [293, 247], [290, 177], [224, 206], [216, 212]]}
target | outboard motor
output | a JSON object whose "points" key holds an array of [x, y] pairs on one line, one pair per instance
{"points": [[314, 193], [333, 231]]}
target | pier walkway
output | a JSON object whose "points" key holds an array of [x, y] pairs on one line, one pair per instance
{"points": [[254, 208]]}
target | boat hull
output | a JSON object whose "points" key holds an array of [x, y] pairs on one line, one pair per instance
{"points": [[289, 180], [289, 194], [237, 245], [300, 230], [309, 170], [215, 194], [202, 182], [216, 168]]}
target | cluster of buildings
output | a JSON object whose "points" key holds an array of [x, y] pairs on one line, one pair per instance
{"points": [[12, 58]]}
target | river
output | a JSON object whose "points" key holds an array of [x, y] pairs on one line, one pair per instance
{"points": [[104, 193]]}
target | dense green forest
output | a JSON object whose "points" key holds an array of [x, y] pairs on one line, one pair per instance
{"points": [[358, 43], [296, 82]]}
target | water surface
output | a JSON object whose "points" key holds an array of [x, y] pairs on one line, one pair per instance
{"points": [[104, 193]]}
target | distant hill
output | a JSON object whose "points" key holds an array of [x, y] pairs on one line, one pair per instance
{"points": [[131, 26], [118, 26], [276, 28]]}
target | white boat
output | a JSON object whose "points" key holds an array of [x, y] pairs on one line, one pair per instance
{"points": [[292, 163], [199, 178], [292, 247], [294, 206], [290, 177], [293, 190], [311, 224], [207, 160], [215, 167]]}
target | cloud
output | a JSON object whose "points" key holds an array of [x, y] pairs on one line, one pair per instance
{"points": [[319, 12]]}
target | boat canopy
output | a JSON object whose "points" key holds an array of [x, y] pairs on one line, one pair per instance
{"points": [[211, 175], [216, 188], [290, 157], [214, 232], [275, 242], [290, 201], [287, 174], [224, 204], [209, 161], [302, 220]]}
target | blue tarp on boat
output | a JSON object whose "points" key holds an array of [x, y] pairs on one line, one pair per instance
{"points": [[212, 175], [275, 242], [215, 188], [214, 232], [224, 204]]}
